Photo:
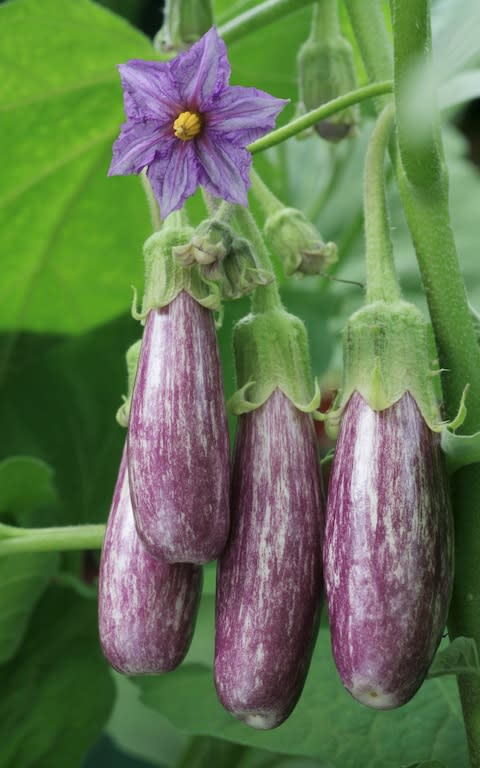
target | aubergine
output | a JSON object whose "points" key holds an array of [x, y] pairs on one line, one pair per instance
{"points": [[147, 607], [388, 551], [178, 448], [269, 578]]}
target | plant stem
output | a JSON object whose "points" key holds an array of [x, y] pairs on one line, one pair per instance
{"points": [[382, 282], [264, 195], [264, 297], [259, 16], [320, 113], [153, 206], [428, 220], [325, 21], [70, 537], [424, 189], [369, 26]]}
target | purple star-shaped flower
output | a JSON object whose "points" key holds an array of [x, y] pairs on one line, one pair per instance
{"points": [[189, 127]]}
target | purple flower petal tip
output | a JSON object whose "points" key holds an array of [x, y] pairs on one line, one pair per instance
{"points": [[189, 127]]}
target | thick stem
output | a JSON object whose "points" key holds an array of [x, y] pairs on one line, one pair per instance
{"points": [[71, 537], [268, 202], [369, 26], [382, 282], [259, 16], [264, 297], [325, 21], [321, 113], [428, 220]]}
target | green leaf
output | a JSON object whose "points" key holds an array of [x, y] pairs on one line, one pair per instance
{"points": [[71, 238], [327, 724], [26, 488], [70, 422], [461, 450], [57, 692], [460, 657]]}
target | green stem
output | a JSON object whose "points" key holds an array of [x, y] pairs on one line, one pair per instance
{"points": [[428, 220], [259, 16], [268, 202], [325, 21], [369, 26], [153, 206], [320, 113], [424, 189], [73, 537], [382, 282], [264, 297]]}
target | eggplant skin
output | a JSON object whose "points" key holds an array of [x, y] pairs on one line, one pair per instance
{"points": [[388, 551], [178, 448], [269, 579], [147, 607]]}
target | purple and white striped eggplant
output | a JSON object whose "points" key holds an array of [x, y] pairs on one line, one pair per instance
{"points": [[178, 437], [147, 607], [388, 550], [269, 578]]}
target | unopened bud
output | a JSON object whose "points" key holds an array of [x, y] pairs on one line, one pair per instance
{"points": [[326, 70], [297, 243]]}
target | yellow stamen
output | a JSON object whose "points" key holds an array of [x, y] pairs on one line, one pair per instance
{"points": [[187, 125]]}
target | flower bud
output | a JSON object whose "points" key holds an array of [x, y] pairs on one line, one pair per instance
{"points": [[326, 70], [297, 242], [210, 243], [186, 21]]}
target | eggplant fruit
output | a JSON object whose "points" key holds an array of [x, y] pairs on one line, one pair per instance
{"points": [[147, 607], [269, 578], [388, 551], [178, 448]]}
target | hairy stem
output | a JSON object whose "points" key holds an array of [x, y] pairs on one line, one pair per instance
{"points": [[264, 297], [71, 537], [382, 282], [259, 16], [320, 113]]}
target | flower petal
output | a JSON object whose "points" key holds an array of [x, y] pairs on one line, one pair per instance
{"points": [[244, 114], [136, 146], [149, 91], [202, 72], [174, 175], [224, 168]]}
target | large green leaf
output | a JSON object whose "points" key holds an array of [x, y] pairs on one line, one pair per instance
{"points": [[27, 497], [70, 421], [57, 692], [327, 724], [71, 238]]}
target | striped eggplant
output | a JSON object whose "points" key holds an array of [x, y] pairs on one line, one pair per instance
{"points": [[269, 579], [147, 607], [387, 551], [178, 438]]}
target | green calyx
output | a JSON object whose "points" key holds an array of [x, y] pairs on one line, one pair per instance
{"points": [[385, 355], [297, 242], [165, 277], [271, 351], [133, 353]]}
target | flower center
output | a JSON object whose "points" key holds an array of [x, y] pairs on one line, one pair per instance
{"points": [[187, 125]]}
